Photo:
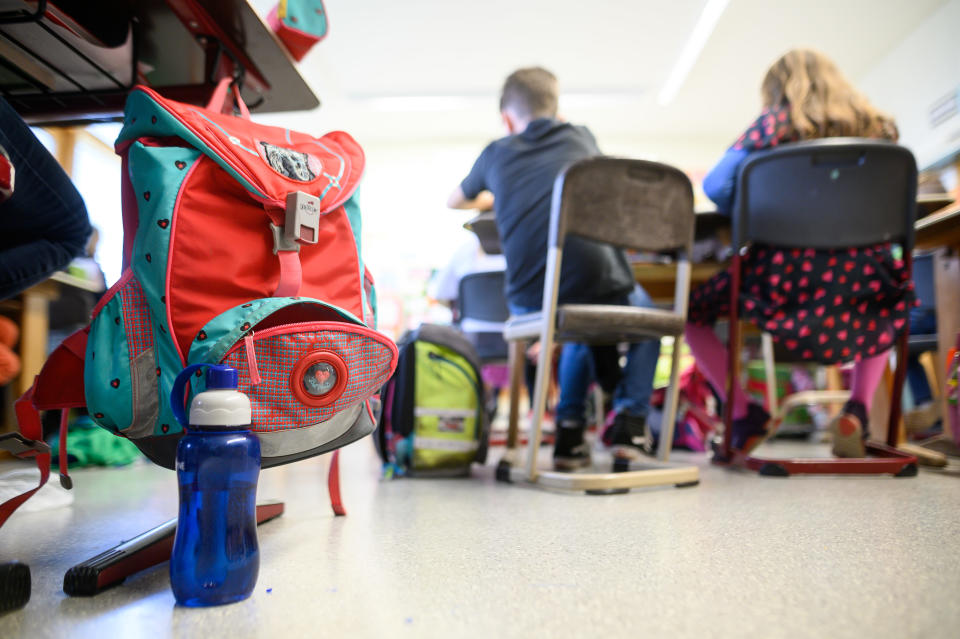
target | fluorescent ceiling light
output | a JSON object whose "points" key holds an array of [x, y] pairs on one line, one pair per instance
{"points": [[406, 103], [712, 11], [437, 103]]}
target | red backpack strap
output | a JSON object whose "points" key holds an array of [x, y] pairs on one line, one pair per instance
{"points": [[59, 385], [333, 485], [25, 444]]}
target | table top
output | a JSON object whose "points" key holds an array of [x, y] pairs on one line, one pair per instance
{"points": [[939, 229], [272, 82], [935, 227]]}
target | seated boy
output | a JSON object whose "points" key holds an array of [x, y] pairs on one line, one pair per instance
{"points": [[518, 172]]}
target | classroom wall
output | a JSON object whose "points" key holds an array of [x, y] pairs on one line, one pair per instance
{"points": [[916, 74]]}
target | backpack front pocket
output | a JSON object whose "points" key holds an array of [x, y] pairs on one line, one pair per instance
{"points": [[304, 373]]}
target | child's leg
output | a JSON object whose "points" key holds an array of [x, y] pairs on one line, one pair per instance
{"points": [[712, 358], [866, 375], [850, 427]]}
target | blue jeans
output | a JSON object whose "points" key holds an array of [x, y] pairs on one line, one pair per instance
{"points": [[44, 224], [576, 370]]}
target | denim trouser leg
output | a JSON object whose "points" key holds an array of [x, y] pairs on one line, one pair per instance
{"points": [[576, 370], [636, 384], [574, 374], [44, 224]]}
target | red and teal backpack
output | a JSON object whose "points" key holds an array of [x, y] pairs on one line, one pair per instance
{"points": [[241, 247]]}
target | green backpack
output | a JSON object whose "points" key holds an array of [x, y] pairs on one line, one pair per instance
{"points": [[433, 421]]}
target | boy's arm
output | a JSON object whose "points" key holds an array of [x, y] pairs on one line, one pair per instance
{"points": [[483, 201]]}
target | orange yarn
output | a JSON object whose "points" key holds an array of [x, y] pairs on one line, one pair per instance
{"points": [[9, 361]]}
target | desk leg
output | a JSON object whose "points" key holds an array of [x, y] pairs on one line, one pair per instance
{"points": [[946, 279], [516, 361], [34, 332]]}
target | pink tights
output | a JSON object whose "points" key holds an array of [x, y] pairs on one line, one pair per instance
{"points": [[711, 356]]}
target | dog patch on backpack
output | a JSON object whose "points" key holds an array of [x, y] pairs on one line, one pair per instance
{"points": [[293, 165]]}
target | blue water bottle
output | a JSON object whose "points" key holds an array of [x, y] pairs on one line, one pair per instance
{"points": [[215, 556]]}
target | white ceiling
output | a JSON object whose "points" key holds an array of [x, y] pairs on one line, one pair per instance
{"points": [[429, 71]]}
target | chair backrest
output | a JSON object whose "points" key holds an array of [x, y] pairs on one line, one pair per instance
{"points": [[482, 297], [828, 193], [631, 204]]}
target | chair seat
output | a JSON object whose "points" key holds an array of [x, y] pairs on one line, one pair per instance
{"points": [[917, 344], [599, 323]]}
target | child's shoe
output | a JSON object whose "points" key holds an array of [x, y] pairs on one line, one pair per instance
{"points": [[849, 430], [571, 451], [628, 436], [747, 433]]}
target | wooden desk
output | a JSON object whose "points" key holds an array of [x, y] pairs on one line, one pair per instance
{"points": [[177, 46], [928, 203], [35, 323], [941, 230], [484, 225], [659, 280]]}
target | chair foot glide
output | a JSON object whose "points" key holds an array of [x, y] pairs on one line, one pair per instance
{"points": [[773, 470], [910, 470]]}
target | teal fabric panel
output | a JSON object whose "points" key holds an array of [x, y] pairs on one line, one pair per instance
{"points": [[157, 175], [308, 16], [106, 372]]}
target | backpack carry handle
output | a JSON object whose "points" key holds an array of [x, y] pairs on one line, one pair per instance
{"points": [[177, 403], [219, 98]]}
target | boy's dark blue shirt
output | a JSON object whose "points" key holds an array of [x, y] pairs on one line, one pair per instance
{"points": [[520, 170]]}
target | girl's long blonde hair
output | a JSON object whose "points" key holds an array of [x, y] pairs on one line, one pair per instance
{"points": [[822, 101]]}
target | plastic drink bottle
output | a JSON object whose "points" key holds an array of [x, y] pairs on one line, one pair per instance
{"points": [[215, 557]]}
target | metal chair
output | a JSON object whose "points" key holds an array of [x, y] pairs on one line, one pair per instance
{"points": [[830, 193], [483, 312], [631, 204]]}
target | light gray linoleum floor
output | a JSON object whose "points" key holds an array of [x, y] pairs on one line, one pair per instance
{"points": [[737, 556]]}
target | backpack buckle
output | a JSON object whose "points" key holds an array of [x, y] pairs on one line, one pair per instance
{"points": [[21, 447], [281, 242]]}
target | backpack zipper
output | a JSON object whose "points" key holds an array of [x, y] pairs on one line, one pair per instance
{"points": [[250, 350]]}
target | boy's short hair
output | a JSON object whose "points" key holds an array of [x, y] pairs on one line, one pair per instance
{"points": [[530, 92]]}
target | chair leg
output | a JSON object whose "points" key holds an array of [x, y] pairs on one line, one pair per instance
{"points": [[668, 424], [544, 362], [516, 363], [769, 368]]}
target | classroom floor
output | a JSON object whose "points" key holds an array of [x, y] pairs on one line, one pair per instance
{"points": [[739, 555]]}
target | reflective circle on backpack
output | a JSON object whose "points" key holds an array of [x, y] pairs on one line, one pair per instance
{"points": [[319, 378]]}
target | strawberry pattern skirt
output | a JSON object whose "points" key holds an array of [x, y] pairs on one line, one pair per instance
{"points": [[824, 305]]}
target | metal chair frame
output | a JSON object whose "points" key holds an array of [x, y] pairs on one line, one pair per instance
{"points": [[631, 204], [775, 206]]}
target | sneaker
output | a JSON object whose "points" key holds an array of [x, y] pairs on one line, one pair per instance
{"points": [[628, 436], [748, 432], [571, 451], [849, 432]]}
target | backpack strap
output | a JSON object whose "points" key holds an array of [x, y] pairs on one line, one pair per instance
{"points": [[333, 485], [59, 385], [291, 274], [25, 444]]}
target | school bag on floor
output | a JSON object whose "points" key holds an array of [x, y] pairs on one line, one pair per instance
{"points": [[241, 247], [433, 421]]}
